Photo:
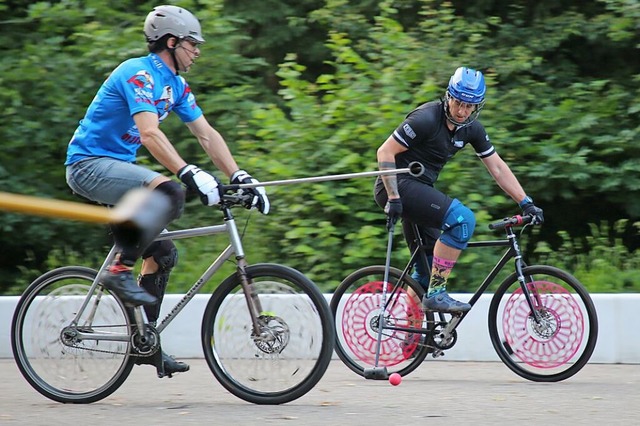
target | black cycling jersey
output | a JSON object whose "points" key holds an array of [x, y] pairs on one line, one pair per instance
{"points": [[429, 141]]}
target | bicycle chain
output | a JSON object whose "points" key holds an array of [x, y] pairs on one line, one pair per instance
{"points": [[116, 353], [154, 350]]}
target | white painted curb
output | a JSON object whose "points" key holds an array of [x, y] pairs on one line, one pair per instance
{"points": [[618, 335]]}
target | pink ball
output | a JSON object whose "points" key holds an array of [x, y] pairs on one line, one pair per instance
{"points": [[395, 379]]}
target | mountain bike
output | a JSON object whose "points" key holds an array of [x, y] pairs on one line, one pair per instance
{"points": [[267, 332], [542, 321]]}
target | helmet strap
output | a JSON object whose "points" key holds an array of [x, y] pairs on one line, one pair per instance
{"points": [[474, 115], [172, 50]]}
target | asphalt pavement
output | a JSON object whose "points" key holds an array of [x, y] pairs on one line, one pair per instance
{"points": [[438, 393]]}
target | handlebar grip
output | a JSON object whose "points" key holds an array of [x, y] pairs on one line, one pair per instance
{"points": [[511, 221]]}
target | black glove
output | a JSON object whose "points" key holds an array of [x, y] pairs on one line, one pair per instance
{"points": [[203, 183], [530, 209], [393, 209], [260, 199]]}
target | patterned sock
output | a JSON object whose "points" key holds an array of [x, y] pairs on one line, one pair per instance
{"points": [[439, 274]]}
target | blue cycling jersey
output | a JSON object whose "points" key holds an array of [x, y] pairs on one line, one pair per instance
{"points": [[136, 85]]}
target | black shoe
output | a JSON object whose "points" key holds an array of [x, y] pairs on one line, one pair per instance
{"points": [[171, 365], [125, 287], [165, 364]]}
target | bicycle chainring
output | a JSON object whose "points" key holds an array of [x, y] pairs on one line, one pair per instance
{"points": [[146, 345], [440, 341]]}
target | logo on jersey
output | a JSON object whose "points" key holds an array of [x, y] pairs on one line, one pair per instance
{"points": [[142, 80], [165, 102], [191, 99], [142, 83], [408, 131], [458, 144], [132, 136]]}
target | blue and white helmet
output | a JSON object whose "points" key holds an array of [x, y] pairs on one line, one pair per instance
{"points": [[466, 85]]}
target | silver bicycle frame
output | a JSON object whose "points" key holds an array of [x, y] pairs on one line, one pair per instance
{"points": [[235, 246]]}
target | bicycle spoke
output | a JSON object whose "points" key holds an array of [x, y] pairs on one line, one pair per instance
{"points": [[356, 306], [289, 352], [49, 353]]}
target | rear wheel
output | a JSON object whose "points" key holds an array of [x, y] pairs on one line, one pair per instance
{"points": [[46, 344], [557, 344], [356, 308]]}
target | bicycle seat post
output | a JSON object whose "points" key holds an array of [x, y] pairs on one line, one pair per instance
{"points": [[137, 313]]}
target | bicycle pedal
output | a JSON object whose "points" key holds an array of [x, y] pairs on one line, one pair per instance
{"points": [[162, 375]]}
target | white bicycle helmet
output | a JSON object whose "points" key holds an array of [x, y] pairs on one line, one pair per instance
{"points": [[174, 20]]}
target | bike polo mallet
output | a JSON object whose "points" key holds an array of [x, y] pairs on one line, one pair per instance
{"points": [[141, 209], [377, 372], [415, 169]]}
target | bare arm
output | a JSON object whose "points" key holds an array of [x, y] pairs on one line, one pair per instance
{"points": [[157, 142], [504, 177], [387, 161], [214, 145], [163, 150]]}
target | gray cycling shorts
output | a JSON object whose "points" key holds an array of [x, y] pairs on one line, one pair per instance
{"points": [[105, 180]]}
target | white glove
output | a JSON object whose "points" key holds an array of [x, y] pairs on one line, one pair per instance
{"points": [[260, 199], [203, 183]]}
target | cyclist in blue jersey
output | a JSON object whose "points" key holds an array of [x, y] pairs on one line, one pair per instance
{"points": [[432, 134], [126, 114]]}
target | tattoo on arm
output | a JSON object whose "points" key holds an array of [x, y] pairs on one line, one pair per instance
{"points": [[390, 181]]}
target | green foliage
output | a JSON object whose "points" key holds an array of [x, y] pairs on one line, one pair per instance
{"points": [[565, 125], [60, 52], [599, 260], [308, 88]]}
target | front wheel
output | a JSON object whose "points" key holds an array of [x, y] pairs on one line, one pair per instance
{"points": [[288, 351], [45, 338], [555, 339]]}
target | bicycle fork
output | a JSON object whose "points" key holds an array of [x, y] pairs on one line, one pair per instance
{"points": [[253, 301], [527, 290]]}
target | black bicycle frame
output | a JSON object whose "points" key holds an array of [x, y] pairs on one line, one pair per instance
{"points": [[512, 252]]}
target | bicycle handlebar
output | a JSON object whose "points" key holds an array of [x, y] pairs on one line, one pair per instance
{"points": [[236, 198], [511, 221]]}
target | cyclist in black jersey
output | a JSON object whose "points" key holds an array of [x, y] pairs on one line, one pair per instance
{"points": [[432, 134]]}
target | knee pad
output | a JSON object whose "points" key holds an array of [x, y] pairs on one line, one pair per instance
{"points": [[458, 226], [176, 195], [164, 253]]}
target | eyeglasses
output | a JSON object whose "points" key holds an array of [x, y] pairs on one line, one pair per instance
{"points": [[195, 51], [463, 105], [193, 41]]}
